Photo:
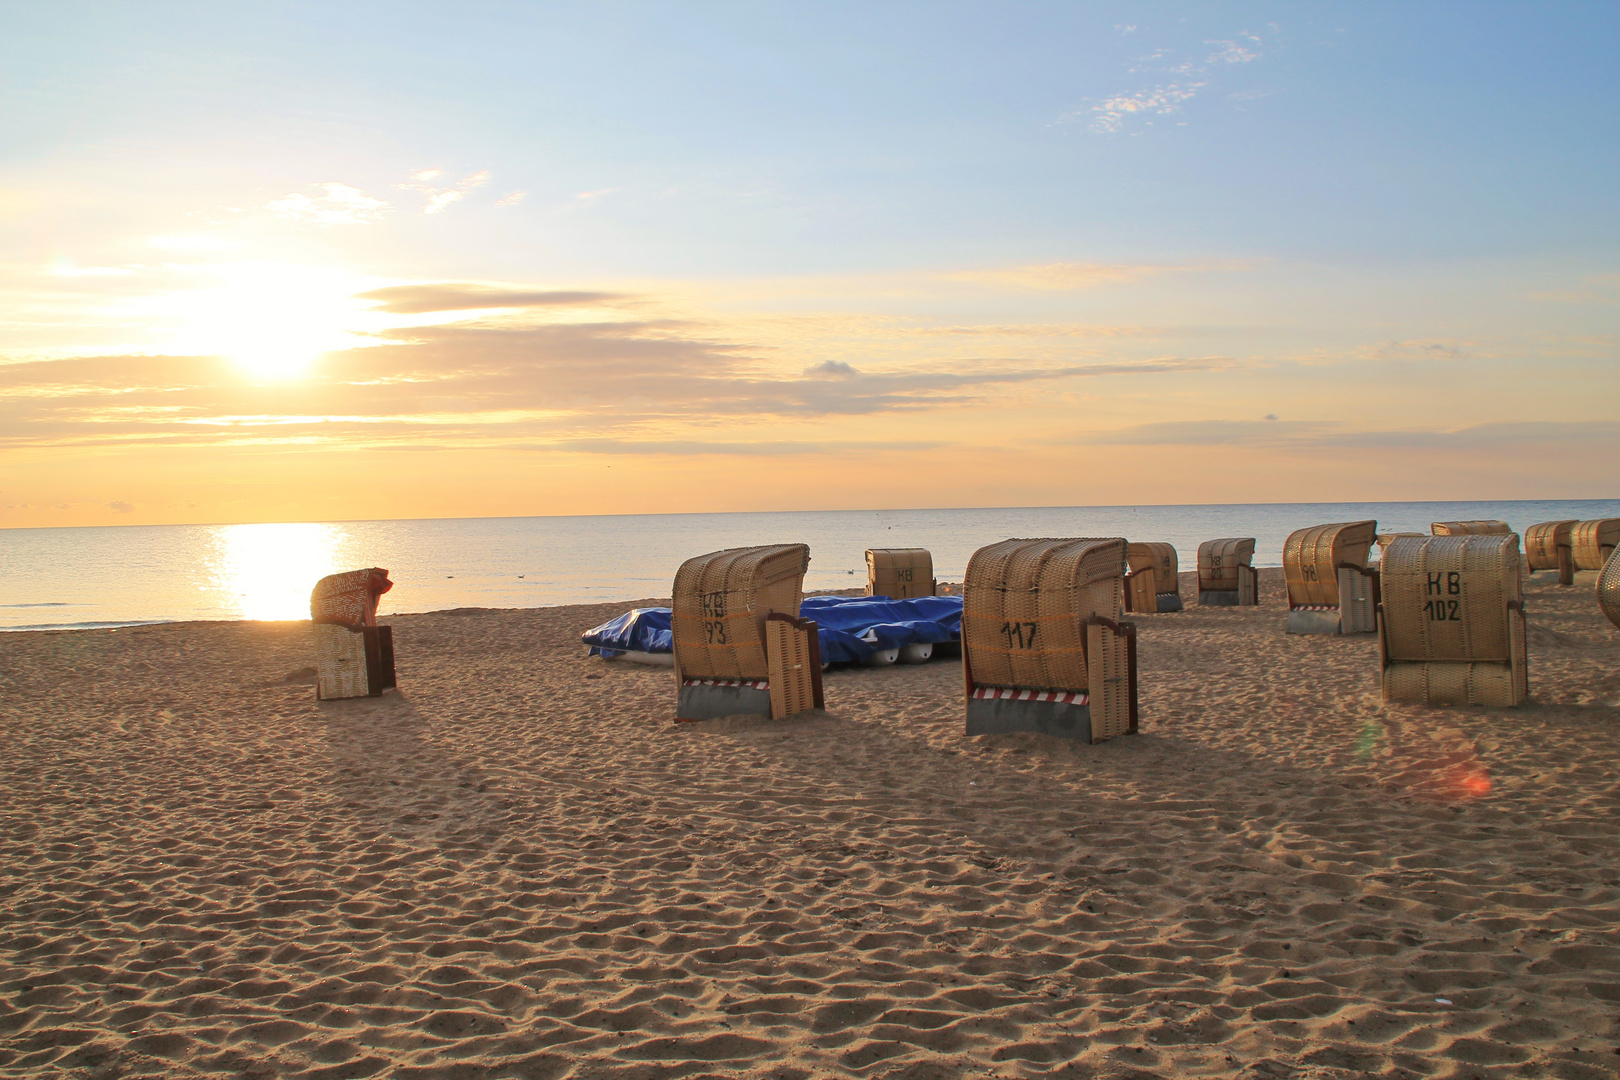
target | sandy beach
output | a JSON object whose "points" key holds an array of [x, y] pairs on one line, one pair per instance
{"points": [[517, 866]]}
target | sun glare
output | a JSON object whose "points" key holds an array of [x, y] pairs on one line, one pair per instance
{"points": [[272, 319], [267, 571]]}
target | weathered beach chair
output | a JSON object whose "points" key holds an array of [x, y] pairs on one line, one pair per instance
{"points": [[1547, 548], [1608, 587], [1385, 538], [1591, 542], [899, 573], [1330, 589], [1226, 575], [1470, 528], [1152, 578], [1043, 647], [354, 657], [740, 647], [1451, 628]]}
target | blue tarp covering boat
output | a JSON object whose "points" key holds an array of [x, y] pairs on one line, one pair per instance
{"points": [[852, 627]]}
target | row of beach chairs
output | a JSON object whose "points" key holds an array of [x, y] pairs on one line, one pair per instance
{"points": [[1045, 647]]}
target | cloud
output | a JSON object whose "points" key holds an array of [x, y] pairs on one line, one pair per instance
{"points": [[421, 299], [438, 198], [1077, 275], [511, 198], [1187, 79], [831, 369], [121, 507], [1332, 435], [341, 205], [482, 383], [586, 198], [1414, 349]]}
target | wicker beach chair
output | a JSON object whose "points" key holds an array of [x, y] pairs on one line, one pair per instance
{"points": [[1547, 548], [1152, 578], [354, 657], [731, 657], [1451, 628], [1608, 587], [1330, 589], [1470, 528], [1591, 542], [1043, 648], [899, 573], [1226, 575], [1385, 538]]}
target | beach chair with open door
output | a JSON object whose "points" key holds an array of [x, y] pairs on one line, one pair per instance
{"points": [[1330, 589], [1451, 627], [899, 573], [1043, 647], [1226, 575], [354, 657], [1548, 550], [1152, 578], [740, 646]]}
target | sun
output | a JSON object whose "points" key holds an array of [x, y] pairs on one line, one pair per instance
{"points": [[272, 319]]}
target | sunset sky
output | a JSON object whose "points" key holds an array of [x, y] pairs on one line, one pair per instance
{"points": [[281, 261]]}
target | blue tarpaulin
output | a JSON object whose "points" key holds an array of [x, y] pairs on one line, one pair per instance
{"points": [[852, 627], [644, 629]]}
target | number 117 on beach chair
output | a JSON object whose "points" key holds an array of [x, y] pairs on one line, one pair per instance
{"points": [[1043, 647]]}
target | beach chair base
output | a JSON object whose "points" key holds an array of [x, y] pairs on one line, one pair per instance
{"points": [[1549, 577], [1168, 601], [1311, 620], [710, 699], [1439, 683], [1586, 579], [1069, 719], [1221, 598], [353, 663]]}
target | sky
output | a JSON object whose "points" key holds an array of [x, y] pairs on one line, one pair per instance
{"points": [[282, 262]]}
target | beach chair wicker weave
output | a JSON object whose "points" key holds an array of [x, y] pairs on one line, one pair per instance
{"points": [[1042, 645], [1592, 541], [354, 656], [1226, 575], [720, 604], [1608, 587], [1329, 591], [1152, 578], [1469, 528], [899, 573], [1452, 627], [1547, 547]]}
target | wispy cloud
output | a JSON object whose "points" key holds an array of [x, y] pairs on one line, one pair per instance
{"points": [[1079, 275], [341, 205], [438, 198], [423, 299], [1178, 82], [511, 198], [1335, 435]]}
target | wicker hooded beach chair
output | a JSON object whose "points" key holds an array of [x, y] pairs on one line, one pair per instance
{"points": [[1330, 589], [1451, 628], [740, 647], [1608, 588], [899, 573], [1470, 528], [1152, 578], [1043, 648], [1547, 547], [1226, 575], [1591, 542], [354, 657]]}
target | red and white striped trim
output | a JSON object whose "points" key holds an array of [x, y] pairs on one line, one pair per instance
{"points": [[1314, 607], [1008, 693], [756, 684]]}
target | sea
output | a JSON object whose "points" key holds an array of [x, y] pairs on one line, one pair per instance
{"points": [[124, 575]]}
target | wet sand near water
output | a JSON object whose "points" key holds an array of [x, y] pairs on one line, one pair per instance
{"points": [[517, 866]]}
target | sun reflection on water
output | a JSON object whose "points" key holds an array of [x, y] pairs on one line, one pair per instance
{"points": [[268, 571]]}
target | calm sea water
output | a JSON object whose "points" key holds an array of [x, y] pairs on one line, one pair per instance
{"points": [[119, 575]]}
